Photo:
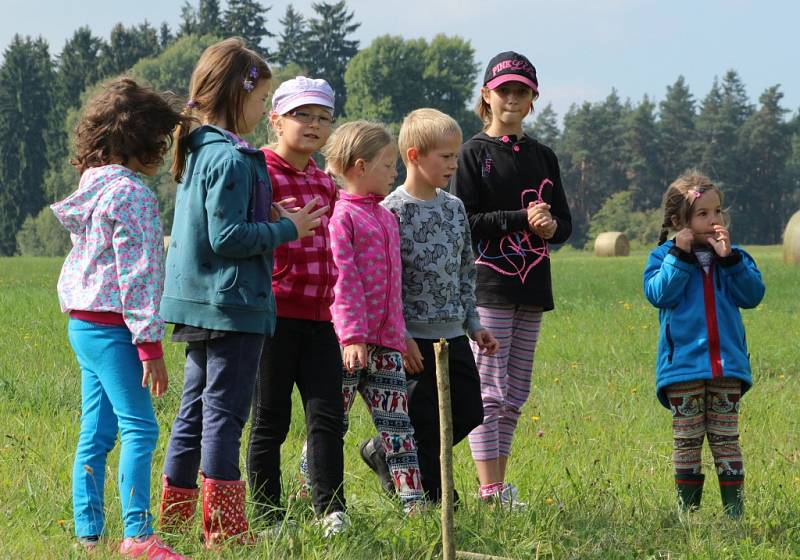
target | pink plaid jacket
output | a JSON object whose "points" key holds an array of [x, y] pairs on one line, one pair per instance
{"points": [[304, 274], [365, 240]]}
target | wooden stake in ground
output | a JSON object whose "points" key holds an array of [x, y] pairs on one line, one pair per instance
{"points": [[446, 451], [442, 352]]}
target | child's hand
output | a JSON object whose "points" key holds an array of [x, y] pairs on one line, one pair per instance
{"points": [[684, 239], [486, 342], [354, 356], [540, 221], [412, 359], [306, 219], [287, 204], [155, 374], [721, 241]]}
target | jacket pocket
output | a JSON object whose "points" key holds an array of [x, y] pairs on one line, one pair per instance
{"points": [[670, 345], [228, 292]]}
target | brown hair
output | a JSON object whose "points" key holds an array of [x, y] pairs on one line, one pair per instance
{"points": [[484, 112], [124, 121], [426, 129], [680, 197], [217, 89], [353, 141]]}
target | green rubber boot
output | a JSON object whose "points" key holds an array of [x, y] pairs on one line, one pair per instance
{"points": [[690, 490], [731, 487]]}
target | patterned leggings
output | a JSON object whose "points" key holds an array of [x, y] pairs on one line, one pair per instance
{"points": [[382, 384], [706, 407], [505, 376]]}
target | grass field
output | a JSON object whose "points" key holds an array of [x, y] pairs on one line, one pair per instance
{"points": [[592, 453]]}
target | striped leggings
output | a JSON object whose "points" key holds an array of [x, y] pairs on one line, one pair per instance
{"points": [[505, 376], [706, 407]]}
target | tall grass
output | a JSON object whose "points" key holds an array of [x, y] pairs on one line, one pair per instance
{"points": [[592, 454]]}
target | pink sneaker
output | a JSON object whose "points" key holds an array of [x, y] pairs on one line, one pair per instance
{"points": [[152, 549]]}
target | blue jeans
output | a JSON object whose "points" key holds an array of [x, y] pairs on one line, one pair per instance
{"points": [[112, 398], [218, 385]]}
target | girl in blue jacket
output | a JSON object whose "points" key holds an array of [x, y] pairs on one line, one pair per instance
{"points": [[698, 281]]}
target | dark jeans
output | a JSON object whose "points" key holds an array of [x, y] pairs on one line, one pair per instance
{"points": [[423, 406], [305, 353], [217, 391]]}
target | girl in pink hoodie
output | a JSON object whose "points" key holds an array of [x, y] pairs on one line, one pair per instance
{"points": [[367, 309]]}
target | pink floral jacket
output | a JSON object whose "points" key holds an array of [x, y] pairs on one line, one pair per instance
{"points": [[365, 241], [116, 264]]}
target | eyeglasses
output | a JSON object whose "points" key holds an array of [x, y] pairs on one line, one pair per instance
{"points": [[307, 118]]}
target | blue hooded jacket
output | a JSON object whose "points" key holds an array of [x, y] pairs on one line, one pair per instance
{"points": [[701, 333], [219, 263]]}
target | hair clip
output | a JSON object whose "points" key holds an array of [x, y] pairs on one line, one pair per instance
{"points": [[191, 104], [695, 193], [249, 83]]}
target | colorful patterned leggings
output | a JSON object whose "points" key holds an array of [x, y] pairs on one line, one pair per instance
{"points": [[706, 407], [382, 384], [505, 376]]}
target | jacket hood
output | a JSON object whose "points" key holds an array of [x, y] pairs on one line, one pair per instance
{"points": [[276, 161], [74, 211], [209, 134], [360, 199]]}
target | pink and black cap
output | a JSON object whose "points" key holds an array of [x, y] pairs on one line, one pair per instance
{"points": [[510, 67]]}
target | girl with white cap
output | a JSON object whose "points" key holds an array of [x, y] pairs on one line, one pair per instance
{"points": [[304, 350]]}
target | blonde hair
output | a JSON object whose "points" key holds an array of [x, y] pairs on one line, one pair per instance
{"points": [[679, 199], [425, 129], [223, 77], [353, 141]]}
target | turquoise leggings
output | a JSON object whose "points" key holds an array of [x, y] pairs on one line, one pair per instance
{"points": [[112, 399]]}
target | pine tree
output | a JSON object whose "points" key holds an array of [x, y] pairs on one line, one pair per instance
{"points": [[676, 131], [165, 36], [247, 19], [580, 165], [126, 46], [545, 127], [766, 144], [710, 128], [291, 43], [209, 21], [641, 154], [328, 48], [76, 69], [25, 101], [188, 20]]}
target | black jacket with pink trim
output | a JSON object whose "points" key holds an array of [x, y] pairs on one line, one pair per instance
{"points": [[496, 179]]}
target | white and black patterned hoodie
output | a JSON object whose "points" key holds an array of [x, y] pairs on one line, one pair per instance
{"points": [[438, 265]]}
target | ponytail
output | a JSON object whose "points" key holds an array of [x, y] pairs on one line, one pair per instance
{"points": [[181, 141]]}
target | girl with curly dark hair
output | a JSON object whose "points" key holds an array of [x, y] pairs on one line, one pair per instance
{"points": [[111, 285]]}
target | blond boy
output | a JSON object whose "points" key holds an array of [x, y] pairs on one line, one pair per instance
{"points": [[438, 291]]}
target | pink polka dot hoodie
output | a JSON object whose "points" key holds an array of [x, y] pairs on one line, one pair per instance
{"points": [[116, 265], [365, 242]]}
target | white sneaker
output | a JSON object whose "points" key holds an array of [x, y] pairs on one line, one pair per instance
{"points": [[509, 496], [335, 523]]}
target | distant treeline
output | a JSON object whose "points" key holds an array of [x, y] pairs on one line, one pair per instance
{"points": [[616, 156]]}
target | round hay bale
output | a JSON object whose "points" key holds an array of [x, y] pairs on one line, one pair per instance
{"points": [[791, 240], [611, 244]]}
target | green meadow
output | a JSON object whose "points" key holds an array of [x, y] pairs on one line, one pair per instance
{"points": [[592, 454]]}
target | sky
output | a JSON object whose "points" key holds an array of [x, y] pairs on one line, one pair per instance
{"points": [[581, 49]]}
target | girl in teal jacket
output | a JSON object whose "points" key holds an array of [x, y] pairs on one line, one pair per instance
{"points": [[217, 289], [698, 281]]}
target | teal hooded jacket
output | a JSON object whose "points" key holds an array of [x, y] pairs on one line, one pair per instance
{"points": [[701, 333], [219, 262]]}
